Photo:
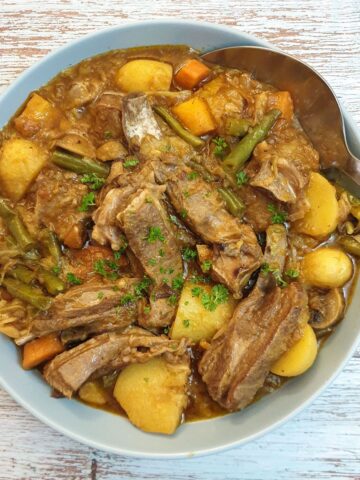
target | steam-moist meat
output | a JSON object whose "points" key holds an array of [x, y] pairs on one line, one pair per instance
{"points": [[106, 353], [236, 253], [263, 327], [88, 304]]}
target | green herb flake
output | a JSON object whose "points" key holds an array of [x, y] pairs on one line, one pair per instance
{"points": [[292, 273], [152, 262], [189, 254], [277, 216], [177, 283], [172, 300], [161, 252], [127, 299], [147, 310], [166, 331], [186, 323], [196, 291], [186, 193], [206, 265], [130, 162], [219, 294], [106, 268], [73, 279], [241, 178], [220, 146], [108, 134], [175, 220], [155, 235], [87, 201], [192, 175], [100, 295], [56, 270], [183, 213], [94, 182], [142, 287], [266, 269]]}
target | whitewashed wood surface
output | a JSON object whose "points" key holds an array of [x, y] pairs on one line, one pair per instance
{"points": [[324, 441]]}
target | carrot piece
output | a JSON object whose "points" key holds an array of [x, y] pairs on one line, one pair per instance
{"points": [[42, 349], [281, 101], [191, 74], [195, 115]]}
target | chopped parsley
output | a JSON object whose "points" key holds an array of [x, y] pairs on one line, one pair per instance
{"points": [[186, 193], [147, 310], [177, 283], [241, 178], [199, 279], [100, 295], [220, 146], [93, 181], [106, 268], [172, 300], [108, 134], [206, 265], [155, 235], [142, 287], [192, 175], [165, 281], [277, 216], [186, 323], [130, 162], [292, 273], [87, 201], [56, 270], [161, 252], [196, 291], [183, 213], [218, 294], [73, 279], [175, 220], [189, 254], [127, 299], [152, 262], [266, 269]]}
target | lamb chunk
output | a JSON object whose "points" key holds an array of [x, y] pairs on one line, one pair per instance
{"points": [[88, 304], [105, 353]]}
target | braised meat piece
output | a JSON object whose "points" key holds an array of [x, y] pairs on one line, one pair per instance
{"points": [[264, 326], [89, 304], [106, 353]]}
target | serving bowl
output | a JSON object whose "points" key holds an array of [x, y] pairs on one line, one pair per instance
{"points": [[103, 430]]}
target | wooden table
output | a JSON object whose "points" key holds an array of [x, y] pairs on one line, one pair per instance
{"points": [[324, 441]]}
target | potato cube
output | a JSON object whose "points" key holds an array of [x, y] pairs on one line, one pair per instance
{"points": [[153, 394], [144, 76], [38, 113], [20, 162], [195, 115], [194, 321], [92, 392]]}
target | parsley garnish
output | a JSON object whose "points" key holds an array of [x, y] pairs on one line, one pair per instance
{"points": [[126, 299], [192, 175], [100, 295], [177, 283], [172, 300], [73, 279], [183, 213], [218, 294], [220, 147], [206, 265], [147, 310], [166, 330], [161, 252], [152, 262], [87, 201], [155, 235], [108, 134], [186, 323], [93, 181], [106, 268], [266, 269], [277, 216], [142, 287], [175, 220], [56, 270], [292, 273], [130, 162], [186, 193], [196, 291], [241, 178], [189, 254]]}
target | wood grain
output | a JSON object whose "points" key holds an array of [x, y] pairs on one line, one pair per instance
{"points": [[324, 441]]}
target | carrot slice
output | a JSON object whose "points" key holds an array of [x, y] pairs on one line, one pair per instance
{"points": [[42, 349], [195, 115], [191, 74]]}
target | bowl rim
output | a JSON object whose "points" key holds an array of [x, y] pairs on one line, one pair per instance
{"points": [[82, 438]]}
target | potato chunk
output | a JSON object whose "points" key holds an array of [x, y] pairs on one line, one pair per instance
{"points": [[299, 358], [323, 215], [194, 321], [195, 115], [38, 113], [153, 394], [327, 268], [92, 392], [144, 76], [20, 163]]}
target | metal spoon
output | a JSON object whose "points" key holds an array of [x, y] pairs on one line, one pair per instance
{"points": [[315, 105]]}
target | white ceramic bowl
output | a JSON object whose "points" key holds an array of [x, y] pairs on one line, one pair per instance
{"points": [[113, 433]]}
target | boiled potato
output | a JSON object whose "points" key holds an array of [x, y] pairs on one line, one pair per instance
{"points": [[153, 394], [194, 321], [299, 358], [144, 76], [92, 392], [323, 215], [20, 163], [326, 268]]}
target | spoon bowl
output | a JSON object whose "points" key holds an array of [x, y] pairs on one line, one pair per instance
{"points": [[315, 105]]}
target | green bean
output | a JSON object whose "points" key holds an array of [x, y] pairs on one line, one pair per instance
{"points": [[201, 170], [79, 164], [178, 128], [233, 204], [16, 226], [53, 284], [350, 245], [51, 242], [21, 273], [243, 150], [27, 293], [236, 127]]}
